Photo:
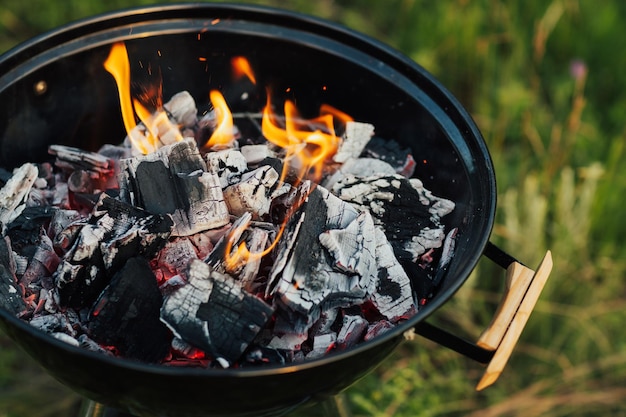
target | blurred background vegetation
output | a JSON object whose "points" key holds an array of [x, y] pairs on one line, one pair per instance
{"points": [[546, 83]]}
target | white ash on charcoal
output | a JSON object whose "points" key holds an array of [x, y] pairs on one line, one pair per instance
{"points": [[10, 292], [253, 193], [409, 214], [127, 314], [356, 136], [114, 233], [390, 151], [352, 330], [15, 192], [214, 313], [228, 164], [174, 180], [334, 257]]}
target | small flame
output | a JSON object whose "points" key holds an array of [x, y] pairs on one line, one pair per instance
{"points": [[156, 124], [223, 134], [308, 143], [117, 64], [241, 67]]}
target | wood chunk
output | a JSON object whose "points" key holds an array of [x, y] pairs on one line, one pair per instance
{"points": [[182, 109], [307, 282], [359, 167], [10, 294], [80, 159], [352, 331], [393, 297], [354, 140], [15, 192], [255, 154], [228, 164], [353, 248], [126, 314], [174, 181], [409, 214], [252, 193], [213, 313], [174, 258], [114, 233], [390, 151]]}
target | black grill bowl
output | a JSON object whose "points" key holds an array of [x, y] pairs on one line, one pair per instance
{"points": [[317, 62]]}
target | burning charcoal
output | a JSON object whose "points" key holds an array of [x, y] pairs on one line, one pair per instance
{"points": [[213, 313], [321, 345], [228, 164], [359, 167], [252, 193], [61, 219], [288, 341], [377, 329], [10, 295], [87, 343], [354, 140], [174, 181], [396, 203], [64, 337], [115, 232], [390, 152], [43, 263], [26, 229], [182, 109], [352, 331], [126, 314], [393, 296], [255, 154], [79, 159], [353, 248], [263, 356], [53, 323], [175, 256], [304, 279], [15, 192]]}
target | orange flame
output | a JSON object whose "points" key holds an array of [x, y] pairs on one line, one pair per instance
{"points": [[242, 67], [306, 149], [117, 64], [156, 124], [223, 134]]}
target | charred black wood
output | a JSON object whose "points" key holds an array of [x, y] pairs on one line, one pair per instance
{"points": [[10, 294], [25, 230], [391, 152], [126, 315], [213, 313], [409, 214], [174, 180], [79, 159], [115, 232]]}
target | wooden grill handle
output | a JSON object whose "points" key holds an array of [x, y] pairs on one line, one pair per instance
{"points": [[523, 287], [495, 345]]}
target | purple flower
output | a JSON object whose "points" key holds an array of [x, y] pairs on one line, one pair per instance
{"points": [[578, 69]]}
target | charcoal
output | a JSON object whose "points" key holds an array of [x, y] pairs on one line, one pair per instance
{"points": [[115, 233], [353, 141], [174, 181], [15, 192], [10, 294], [79, 159], [228, 164], [252, 193], [213, 313], [409, 214], [126, 315], [352, 331], [26, 228], [391, 152]]}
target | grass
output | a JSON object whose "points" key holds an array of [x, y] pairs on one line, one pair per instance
{"points": [[545, 82]]}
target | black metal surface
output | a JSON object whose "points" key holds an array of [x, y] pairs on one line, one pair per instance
{"points": [[317, 62]]}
